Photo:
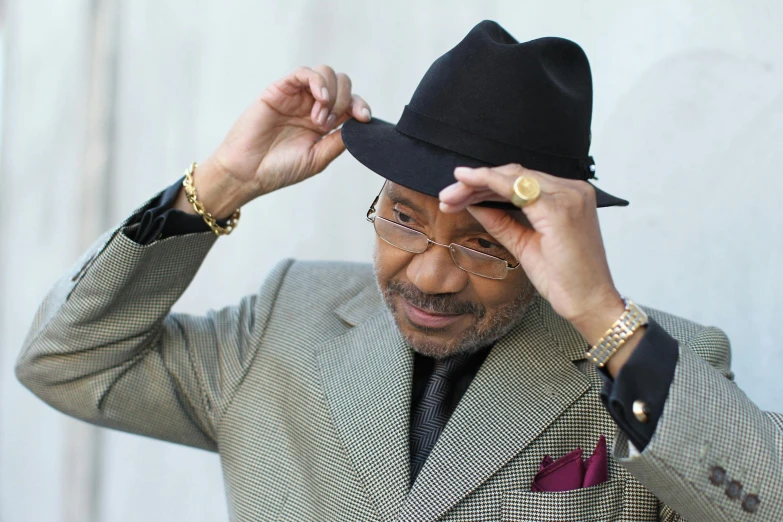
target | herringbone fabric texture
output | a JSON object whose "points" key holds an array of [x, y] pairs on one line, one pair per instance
{"points": [[304, 390], [432, 412]]}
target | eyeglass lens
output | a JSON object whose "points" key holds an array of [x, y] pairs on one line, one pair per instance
{"points": [[416, 242]]}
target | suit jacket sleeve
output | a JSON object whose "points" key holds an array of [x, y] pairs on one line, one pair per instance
{"points": [[105, 348], [713, 448]]}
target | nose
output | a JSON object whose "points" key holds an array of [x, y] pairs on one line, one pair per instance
{"points": [[434, 272]]}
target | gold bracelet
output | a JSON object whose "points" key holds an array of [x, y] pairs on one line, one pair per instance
{"points": [[629, 322], [198, 206]]}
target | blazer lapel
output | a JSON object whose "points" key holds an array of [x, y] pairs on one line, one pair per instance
{"points": [[366, 375], [526, 382]]}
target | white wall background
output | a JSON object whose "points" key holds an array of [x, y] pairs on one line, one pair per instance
{"points": [[107, 102]]}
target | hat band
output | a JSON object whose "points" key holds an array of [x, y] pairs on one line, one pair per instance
{"points": [[490, 150]]}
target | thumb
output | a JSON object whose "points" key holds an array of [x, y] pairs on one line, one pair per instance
{"points": [[326, 150], [502, 226]]}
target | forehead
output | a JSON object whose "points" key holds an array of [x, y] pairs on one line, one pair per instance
{"points": [[399, 194]]}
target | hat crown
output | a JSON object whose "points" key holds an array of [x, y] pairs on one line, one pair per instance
{"points": [[489, 101], [535, 95]]}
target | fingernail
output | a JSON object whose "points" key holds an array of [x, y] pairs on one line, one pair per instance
{"points": [[331, 119], [366, 114], [462, 170], [325, 94], [322, 115]]}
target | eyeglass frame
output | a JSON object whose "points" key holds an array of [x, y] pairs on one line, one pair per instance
{"points": [[371, 218]]}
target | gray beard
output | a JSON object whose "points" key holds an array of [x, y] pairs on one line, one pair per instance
{"points": [[487, 327]]}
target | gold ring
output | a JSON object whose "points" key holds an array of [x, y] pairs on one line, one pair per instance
{"points": [[526, 191]]}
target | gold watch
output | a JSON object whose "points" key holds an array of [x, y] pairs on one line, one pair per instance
{"points": [[629, 322]]}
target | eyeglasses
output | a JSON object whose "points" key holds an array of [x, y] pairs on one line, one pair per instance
{"points": [[415, 242]]}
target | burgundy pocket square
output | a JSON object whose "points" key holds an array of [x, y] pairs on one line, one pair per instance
{"points": [[570, 472]]}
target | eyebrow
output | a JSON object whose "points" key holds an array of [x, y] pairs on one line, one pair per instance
{"points": [[397, 197]]}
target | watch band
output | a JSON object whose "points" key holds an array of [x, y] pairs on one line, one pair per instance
{"points": [[631, 320]]}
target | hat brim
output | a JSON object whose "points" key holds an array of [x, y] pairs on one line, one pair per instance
{"points": [[418, 165]]}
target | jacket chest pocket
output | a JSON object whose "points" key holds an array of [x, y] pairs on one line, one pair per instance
{"points": [[598, 503]]}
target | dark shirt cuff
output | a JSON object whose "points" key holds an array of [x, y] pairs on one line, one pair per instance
{"points": [[158, 220], [646, 376]]}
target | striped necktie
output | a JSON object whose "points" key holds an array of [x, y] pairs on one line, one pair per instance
{"points": [[431, 414]]}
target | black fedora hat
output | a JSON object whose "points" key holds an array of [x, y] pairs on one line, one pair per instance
{"points": [[489, 101]]}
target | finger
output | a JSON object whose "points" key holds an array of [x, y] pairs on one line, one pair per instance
{"points": [[502, 226], [486, 178], [459, 192], [453, 208], [331, 82], [343, 99], [457, 196], [505, 176], [481, 184], [305, 78], [326, 150], [495, 184], [515, 170], [315, 112], [455, 192], [500, 182], [360, 109]]}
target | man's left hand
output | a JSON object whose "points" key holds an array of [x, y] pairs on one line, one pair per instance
{"points": [[556, 239]]}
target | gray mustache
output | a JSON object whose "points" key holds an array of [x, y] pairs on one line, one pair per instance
{"points": [[435, 303]]}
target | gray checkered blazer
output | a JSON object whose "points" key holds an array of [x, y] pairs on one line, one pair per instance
{"points": [[304, 390]]}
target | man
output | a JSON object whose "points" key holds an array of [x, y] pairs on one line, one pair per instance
{"points": [[459, 381]]}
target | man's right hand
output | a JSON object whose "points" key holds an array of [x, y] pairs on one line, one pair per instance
{"points": [[286, 135]]}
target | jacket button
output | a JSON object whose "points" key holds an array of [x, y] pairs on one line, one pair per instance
{"points": [[733, 490], [717, 475], [641, 411], [751, 503]]}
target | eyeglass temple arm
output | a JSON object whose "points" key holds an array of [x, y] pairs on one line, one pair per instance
{"points": [[371, 210]]}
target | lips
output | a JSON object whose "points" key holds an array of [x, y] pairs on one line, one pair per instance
{"points": [[420, 317]]}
